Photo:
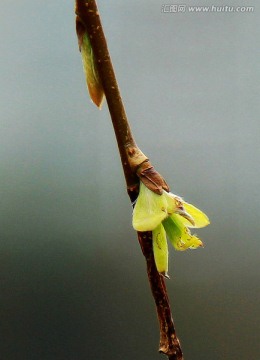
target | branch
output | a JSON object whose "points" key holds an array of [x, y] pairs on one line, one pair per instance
{"points": [[169, 343], [88, 20], [135, 164]]}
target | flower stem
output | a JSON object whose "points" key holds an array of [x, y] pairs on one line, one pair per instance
{"points": [[88, 20]]}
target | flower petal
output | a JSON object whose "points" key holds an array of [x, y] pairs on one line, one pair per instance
{"points": [[150, 210], [174, 202], [160, 250], [179, 234], [200, 219], [173, 231]]}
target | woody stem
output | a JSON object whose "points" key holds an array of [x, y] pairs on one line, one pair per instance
{"points": [[88, 17]]}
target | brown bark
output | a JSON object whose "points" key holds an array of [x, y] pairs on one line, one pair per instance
{"points": [[135, 164]]}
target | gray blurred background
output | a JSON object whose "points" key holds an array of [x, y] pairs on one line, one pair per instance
{"points": [[73, 279]]}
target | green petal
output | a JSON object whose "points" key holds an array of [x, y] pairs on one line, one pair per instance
{"points": [[149, 211], [173, 231], [179, 234], [200, 219], [160, 250]]}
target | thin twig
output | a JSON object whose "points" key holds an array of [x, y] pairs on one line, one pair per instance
{"points": [[133, 161], [88, 18], [169, 343]]}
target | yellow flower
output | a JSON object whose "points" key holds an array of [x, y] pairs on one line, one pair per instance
{"points": [[170, 215]]}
